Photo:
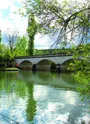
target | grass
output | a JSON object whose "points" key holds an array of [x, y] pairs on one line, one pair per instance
{"points": [[11, 69]]}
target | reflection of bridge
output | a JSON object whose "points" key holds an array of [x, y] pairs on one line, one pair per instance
{"points": [[63, 80], [41, 62]]}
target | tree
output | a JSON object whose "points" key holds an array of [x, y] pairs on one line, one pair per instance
{"points": [[81, 68], [2, 52], [21, 46], [11, 37], [5, 55], [0, 37], [32, 28]]}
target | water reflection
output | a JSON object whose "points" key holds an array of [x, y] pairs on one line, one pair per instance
{"points": [[41, 98], [51, 79], [31, 103]]}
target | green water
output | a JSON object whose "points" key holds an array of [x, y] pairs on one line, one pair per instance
{"points": [[41, 98]]}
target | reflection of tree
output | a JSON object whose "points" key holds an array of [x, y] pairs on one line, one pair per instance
{"points": [[25, 75], [10, 83], [31, 106], [6, 79]]}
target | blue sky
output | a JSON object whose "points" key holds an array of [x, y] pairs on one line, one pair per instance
{"points": [[15, 22]]}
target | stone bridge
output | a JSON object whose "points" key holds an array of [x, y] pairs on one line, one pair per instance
{"points": [[43, 62]]}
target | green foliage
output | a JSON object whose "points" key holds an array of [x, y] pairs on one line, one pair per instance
{"points": [[8, 55], [53, 67], [32, 28], [21, 46], [2, 49], [2, 66], [38, 52], [11, 69], [20, 50], [5, 54], [81, 67], [67, 51], [0, 37]]}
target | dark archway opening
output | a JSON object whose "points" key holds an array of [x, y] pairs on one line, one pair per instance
{"points": [[34, 68], [25, 65], [58, 68], [53, 67], [46, 65]]}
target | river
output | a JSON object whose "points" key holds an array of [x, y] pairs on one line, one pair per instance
{"points": [[41, 98]]}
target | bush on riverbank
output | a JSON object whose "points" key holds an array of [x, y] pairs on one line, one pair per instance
{"points": [[9, 69], [2, 64]]}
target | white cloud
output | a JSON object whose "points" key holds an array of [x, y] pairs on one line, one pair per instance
{"points": [[0, 14], [4, 4], [19, 23], [4, 24], [13, 21], [41, 42]]}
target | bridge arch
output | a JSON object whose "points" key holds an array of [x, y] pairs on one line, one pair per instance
{"points": [[65, 64], [46, 65], [67, 61], [25, 65]]}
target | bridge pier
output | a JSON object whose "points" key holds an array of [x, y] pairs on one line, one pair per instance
{"points": [[58, 68], [34, 68]]}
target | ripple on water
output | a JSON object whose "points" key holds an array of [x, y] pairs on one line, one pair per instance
{"points": [[62, 119]]}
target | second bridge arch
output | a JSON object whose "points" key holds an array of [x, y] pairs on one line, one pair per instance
{"points": [[46, 65]]}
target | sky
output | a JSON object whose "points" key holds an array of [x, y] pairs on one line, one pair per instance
{"points": [[8, 19]]}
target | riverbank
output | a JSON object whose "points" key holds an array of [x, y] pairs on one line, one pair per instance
{"points": [[9, 69]]}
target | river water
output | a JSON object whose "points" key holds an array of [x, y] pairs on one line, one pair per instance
{"points": [[41, 98]]}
